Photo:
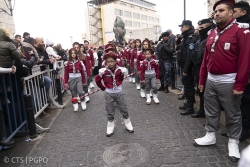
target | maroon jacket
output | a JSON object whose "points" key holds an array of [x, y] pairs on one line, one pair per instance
{"points": [[126, 54], [69, 69], [140, 58], [153, 65], [91, 58], [133, 55], [105, 75], [87, 65], [231, 55]]}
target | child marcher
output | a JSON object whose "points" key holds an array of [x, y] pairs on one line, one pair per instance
{"points": [[112, 76], [150, 75], [75, 79], [52, 54]]}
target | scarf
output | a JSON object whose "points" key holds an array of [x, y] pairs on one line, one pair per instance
{"points": [[220, 33], [73, 64], [113, 75], [149, 61]]}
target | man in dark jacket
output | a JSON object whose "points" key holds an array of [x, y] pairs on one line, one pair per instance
{"points": [[205, 25], [44, 59], [166, 49], [242, 15], [184, 60]]}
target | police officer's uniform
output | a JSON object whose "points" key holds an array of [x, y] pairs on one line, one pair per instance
{"points": [[185, 62]]}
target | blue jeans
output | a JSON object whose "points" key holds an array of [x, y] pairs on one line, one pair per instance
{"points": [[47, 82]]}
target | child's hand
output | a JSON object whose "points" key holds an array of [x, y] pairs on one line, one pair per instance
{"points": [[13, 69], [143, 81], [66, 86], [157, 80]]}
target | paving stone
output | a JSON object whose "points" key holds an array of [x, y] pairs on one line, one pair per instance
{"points": [[79, 138]]}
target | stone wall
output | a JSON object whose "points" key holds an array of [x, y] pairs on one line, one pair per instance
{"points": [[211, 4], [5, 19]]}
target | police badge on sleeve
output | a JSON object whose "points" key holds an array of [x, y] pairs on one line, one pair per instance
{"points": [[191, 46]]}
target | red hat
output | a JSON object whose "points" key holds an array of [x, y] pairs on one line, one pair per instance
{"points": [[150, 50], [110, 54], [109, 47], [132, 41], [227, 2]]}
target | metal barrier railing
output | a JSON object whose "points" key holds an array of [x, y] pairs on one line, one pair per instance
{"points": [[12, 103], [41, 96]]}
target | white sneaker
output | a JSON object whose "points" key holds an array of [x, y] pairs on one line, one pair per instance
{"points": [[148, 99], [208, 139], [151, 94], [89, 90], [128, 125], [110, 128], [133, 80], [75, 106], [91, 85], [233, 148], [155, 98], [84, 106], [143, 94], [138, 86], [87, 99], [129, 79]]}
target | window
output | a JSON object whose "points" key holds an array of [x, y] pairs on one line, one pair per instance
{"points": [[157, 20], [150, 18], [136, 24], [136, 16], [144, 25], [118, 12], [143, 17], [128, 23], [127, 14], [150, 25]]}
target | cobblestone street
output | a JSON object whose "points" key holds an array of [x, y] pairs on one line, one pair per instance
{"points": [[162, 137]]}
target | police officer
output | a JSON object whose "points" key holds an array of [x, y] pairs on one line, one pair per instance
{"points": [[185, 49], [205, 25], [166, 49]]}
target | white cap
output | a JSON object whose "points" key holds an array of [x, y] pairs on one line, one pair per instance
{"points": [[49, 42]]}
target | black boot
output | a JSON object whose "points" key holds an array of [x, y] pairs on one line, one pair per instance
{"points": [[224, 133], [182, 97], [166, 89], [188, 111], [161, 88], [245, 134], [3, 141], [198, 114]]}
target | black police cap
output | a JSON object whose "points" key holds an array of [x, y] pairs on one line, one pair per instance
{"points": [[204, 21], [242, 4], [165, 34], [186, 22]]}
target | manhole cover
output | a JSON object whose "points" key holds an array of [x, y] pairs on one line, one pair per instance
{"points": [[125, 155]]}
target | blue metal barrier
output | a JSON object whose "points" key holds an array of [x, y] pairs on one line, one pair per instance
{"points": [[13, 106]]}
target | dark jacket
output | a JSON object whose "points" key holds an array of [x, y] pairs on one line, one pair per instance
{"points": [[43, 54], [184, 54], [166, 50], [8, 51]]}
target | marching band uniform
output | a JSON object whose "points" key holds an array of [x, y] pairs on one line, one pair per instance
{"points": [[112, 79]]}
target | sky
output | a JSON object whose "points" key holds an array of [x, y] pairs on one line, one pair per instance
{"points": [[59, 20]]}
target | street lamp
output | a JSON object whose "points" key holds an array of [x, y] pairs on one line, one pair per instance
{"points": [[184, 9], [71, 40], [130, 33]]}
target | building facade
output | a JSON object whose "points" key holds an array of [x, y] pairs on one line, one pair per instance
{"points": [[5, 19], [211, 4], [138, 16]]}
